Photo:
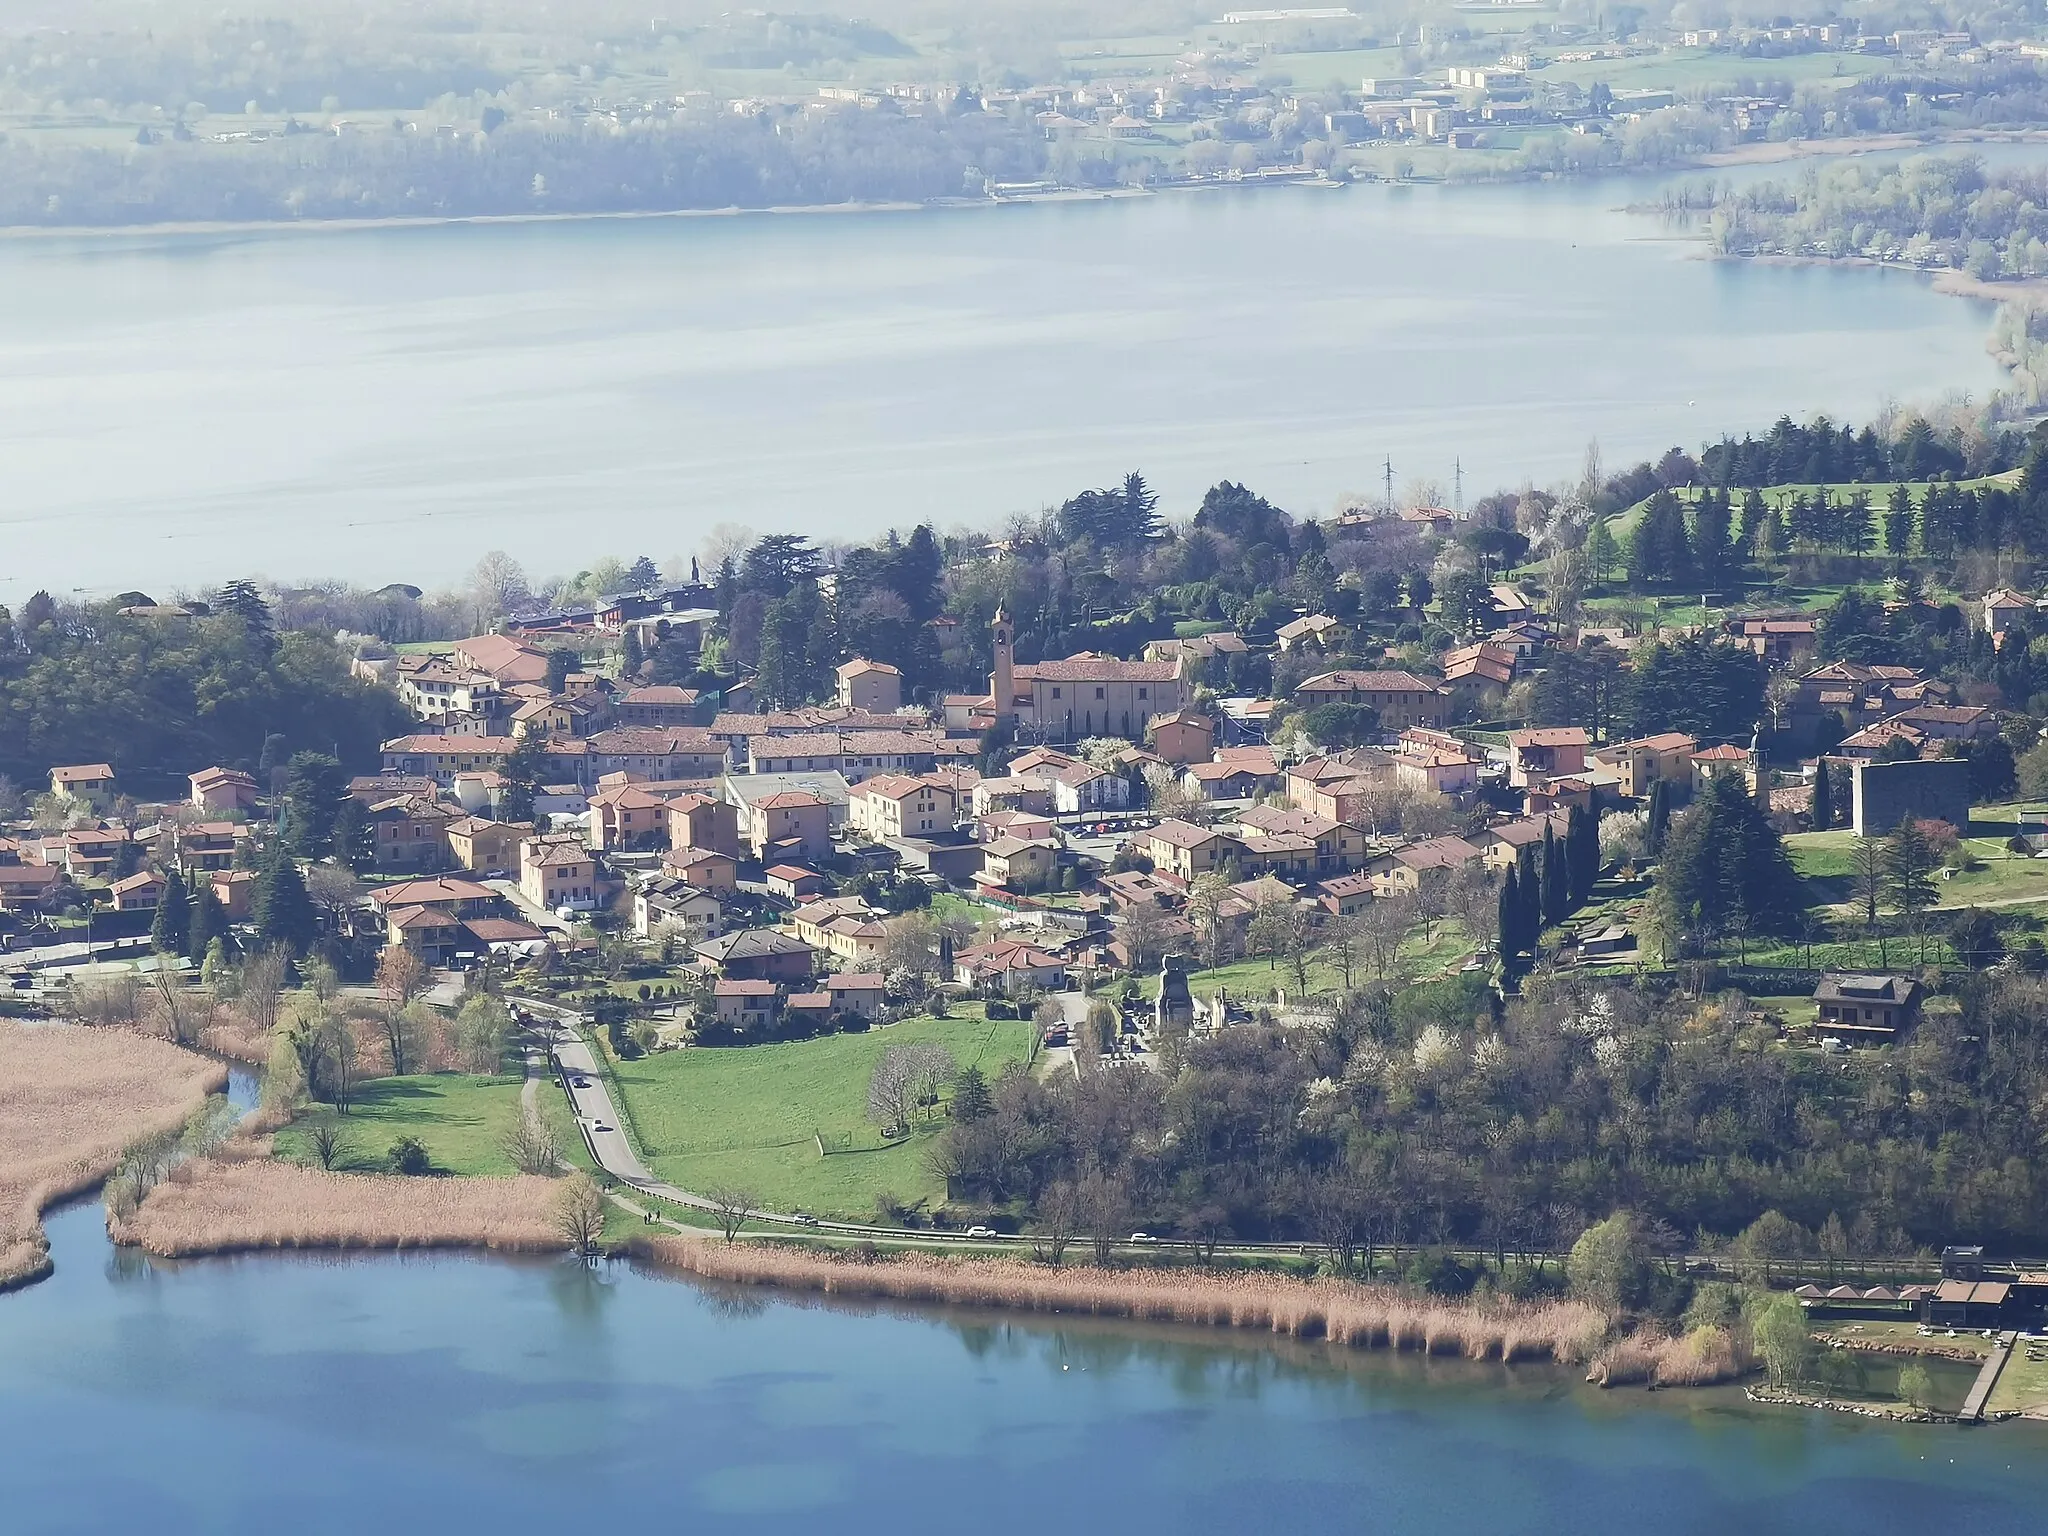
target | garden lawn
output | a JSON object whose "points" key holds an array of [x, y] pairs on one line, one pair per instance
{"points": [[462, 1122], [748, 1116]]}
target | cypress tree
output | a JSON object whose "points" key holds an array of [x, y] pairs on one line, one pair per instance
{"points": [[1582, 832], [1823, 798], [1552, 897], [1529, 884], [1660, 817], [168, 934], [1510, 917], [1568, 878]]}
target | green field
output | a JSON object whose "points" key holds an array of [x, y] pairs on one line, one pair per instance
{"points": [[1824, 859], [1692, 68], [462, 1122], [749, 1115]]}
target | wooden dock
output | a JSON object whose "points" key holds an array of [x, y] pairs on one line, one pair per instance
{"points": [[1987, 1378]]}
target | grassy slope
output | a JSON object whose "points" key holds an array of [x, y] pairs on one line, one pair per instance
{"points": [[747, 1115]]}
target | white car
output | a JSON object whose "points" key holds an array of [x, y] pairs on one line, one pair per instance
{"points": [[983, 1232]]}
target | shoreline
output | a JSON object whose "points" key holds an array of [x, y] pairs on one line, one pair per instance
{"points": [[1557, 1332], [1721, 159], [83, 1167]]}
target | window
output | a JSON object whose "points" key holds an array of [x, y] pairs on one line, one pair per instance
{"points": [[1055, 693], [1098, 693], [1144, 693]]}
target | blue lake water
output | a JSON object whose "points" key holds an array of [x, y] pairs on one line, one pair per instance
{"points": [[386, 404], [467, 1393]]}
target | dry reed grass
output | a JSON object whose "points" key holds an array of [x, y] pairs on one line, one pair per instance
{"points": [[237, 1202], [1361, 1316], [72, 1100], [1697, 1359]]}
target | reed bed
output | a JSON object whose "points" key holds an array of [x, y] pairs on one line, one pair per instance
{"points": [[1360, 1316], [1697, 1359], [236, 1202], [72, 1100]]}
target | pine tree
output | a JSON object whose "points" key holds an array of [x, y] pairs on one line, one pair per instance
{"points": [[1898, 522], [170, 932], [633, 657], [1823, 798], [207, 924], [280, 910]]}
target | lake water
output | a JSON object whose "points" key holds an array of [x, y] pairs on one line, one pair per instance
{"points": [[387, 404], [471, 1394]]}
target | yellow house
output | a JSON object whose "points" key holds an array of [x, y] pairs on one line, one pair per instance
{"points": [[557, 874]]}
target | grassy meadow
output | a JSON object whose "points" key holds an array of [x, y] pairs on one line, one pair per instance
{"points": [[462, 1121], [749, 1115]]}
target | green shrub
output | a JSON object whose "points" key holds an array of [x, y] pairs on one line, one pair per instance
{"points": [[409, 1155]]}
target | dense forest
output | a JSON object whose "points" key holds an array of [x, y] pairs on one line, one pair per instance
{"points": [[159, 698]]}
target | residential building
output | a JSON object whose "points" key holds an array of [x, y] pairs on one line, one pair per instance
{"points": [[759, 954], [82, 781], [1867, 1009], [1404, 868], [1779, 641], [626, 818], [1180, 848], [1315, 631], [1342, 895], [1501, 844], [557, 872], [1336, 845], [1636, 765], [1439, 769], [895, 805], [661, 705], [793, 825], [447, 893], [508, 661], [664, 904], [410, 832], [1545, 753], [746, 1005], [702, 821], [235, 890], [793, 882], [873, 686], [140, 892], [1182, 737], [210, 845], [2003, 607], [223, 792], [441, 758], [857, 992], [1480, 673], [481, 846], [1011, 964], [1012, 864], [1074, 787], [1401, 698], [705, 868]]}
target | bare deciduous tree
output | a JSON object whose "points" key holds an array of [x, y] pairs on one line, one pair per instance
{"points": [[329, 1142], [579, 1214], [1059, 1214], [731, 1207], [532, 1144]]}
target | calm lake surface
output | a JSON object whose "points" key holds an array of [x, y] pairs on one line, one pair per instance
{"points": [[471, 1394], [387, 404]]}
